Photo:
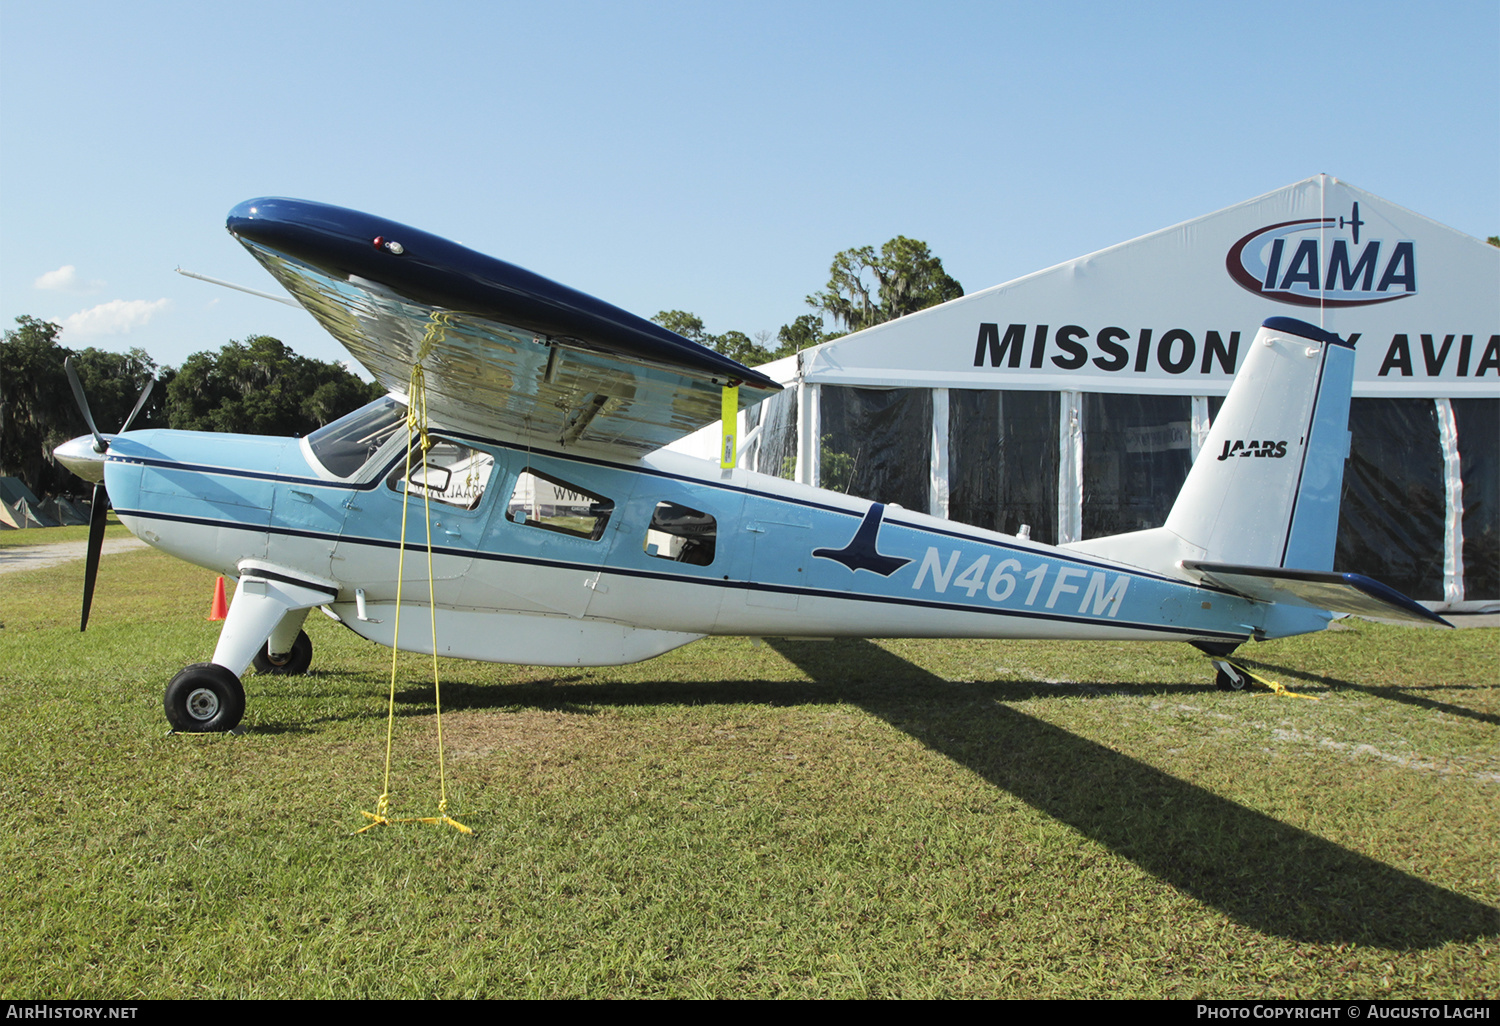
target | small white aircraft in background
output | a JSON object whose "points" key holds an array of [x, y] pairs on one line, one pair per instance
{"points": [[564, 534]]}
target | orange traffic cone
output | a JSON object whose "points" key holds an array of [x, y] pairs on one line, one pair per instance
{"points": [[220, 608]]}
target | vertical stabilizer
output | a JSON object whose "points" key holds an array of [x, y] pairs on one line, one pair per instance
{"points": [[1264, 490]]}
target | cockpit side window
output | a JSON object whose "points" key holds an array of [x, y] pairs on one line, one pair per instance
{"points": [[345, 445], [682, 534], [450, 473], [555, 505]]}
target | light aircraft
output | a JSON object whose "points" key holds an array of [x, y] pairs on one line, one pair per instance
{"points": [[565, 534]]}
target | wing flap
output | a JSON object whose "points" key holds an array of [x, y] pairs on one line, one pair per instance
{"points": [[1315, 589]]}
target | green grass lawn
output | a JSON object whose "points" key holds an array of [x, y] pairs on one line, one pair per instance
{"points": [[838, 819]]}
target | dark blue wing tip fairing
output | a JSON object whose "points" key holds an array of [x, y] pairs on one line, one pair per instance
{"points": [[1385, 593], [1293, 326], [432, 270]]}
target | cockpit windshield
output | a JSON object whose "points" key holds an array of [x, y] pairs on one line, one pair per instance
{"points": [[345, 445]]}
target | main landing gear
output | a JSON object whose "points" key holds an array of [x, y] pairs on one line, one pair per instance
{"points": [[1229, 677], [293, 663], [264, 627], [205, 698]]}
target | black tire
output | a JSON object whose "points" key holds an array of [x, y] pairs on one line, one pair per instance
{"points": [[1230, 679], [205, 698], [293, 664]]}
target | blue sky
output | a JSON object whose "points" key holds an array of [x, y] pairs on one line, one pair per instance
{"points": [[702, 156]]}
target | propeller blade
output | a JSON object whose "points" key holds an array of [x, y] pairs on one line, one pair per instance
{"points": [[99, 511], [139, 404], [97, 517], [83, 404]]}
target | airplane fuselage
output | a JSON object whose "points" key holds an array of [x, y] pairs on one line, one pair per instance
{"points": [[562, 532], [561, 558]]}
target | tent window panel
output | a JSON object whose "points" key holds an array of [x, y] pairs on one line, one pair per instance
{"points": [[776, 452], [1391, 516], [749, 454], [1478, 431], [552, 504], [1002, 455], [682, 534], [1137, 450], [877, 443]]}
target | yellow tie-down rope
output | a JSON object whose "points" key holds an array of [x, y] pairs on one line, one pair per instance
{"points": [[1270, 685], [416, 425]]}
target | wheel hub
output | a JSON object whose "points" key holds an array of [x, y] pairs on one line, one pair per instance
{"points": [[202, 704]]}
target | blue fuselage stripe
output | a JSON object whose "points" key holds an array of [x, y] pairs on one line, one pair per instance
{"points": [[738, 585]]}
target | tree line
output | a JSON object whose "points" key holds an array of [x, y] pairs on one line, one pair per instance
{"points": [[865, 287], [259, 386]]}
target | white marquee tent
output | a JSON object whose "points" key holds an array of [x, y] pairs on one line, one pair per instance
{"points": [[1072, 400]]}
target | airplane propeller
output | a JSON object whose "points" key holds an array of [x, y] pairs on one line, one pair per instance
{"points": [[85, 457]]}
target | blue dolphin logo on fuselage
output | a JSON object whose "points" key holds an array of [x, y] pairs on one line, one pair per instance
{"points": [[861, 552]]}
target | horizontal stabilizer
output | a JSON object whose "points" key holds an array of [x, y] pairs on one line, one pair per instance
{"points": [[1315, 589]]}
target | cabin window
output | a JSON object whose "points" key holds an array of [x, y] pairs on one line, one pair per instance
{"points": [[348, 443], [681, 534], [450, 473], [541, 500]]}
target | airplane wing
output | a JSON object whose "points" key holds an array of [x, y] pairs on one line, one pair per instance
{"points": [[505, 352], [1315, 589]]}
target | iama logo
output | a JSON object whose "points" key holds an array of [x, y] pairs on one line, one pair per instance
{"points": [[1287, 263]]}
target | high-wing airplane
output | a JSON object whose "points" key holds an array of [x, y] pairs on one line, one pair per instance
{"points": [[565, 534]]}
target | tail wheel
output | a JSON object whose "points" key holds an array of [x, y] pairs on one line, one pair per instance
{"points": [[288, 664], [1229, 677], [205, 698]]}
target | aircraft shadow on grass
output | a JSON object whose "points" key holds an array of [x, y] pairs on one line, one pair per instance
{"points": [[1262, 873]]}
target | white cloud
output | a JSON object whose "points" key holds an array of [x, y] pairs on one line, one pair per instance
{"points": [[116, 317], [65, 279]]}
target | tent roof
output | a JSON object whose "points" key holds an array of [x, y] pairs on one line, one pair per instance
{"points": [[1169, 312]]}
